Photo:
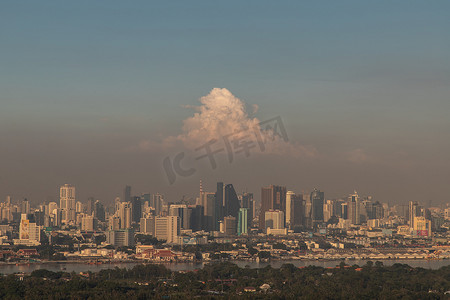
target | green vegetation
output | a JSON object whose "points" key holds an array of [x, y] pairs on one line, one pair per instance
{"points": [[226, 280]]}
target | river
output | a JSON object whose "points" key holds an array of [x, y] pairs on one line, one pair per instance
{"points": [[83, 267]]}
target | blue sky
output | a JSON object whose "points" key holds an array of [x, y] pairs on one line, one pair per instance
{"points": [[80, 78]]}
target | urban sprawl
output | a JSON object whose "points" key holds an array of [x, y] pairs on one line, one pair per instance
{"points": [[221, 225]]}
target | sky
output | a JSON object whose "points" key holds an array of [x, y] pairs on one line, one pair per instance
{"points": [[101, 94]]}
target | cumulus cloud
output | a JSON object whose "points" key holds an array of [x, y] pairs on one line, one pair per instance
{"points": [[222, 116]]}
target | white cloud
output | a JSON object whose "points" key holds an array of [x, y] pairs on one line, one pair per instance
{"points": [[222, 116]]}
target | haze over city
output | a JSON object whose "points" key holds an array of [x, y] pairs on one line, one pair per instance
{"points": [[99, 95]]}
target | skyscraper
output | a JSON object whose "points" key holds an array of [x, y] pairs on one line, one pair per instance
{"points": [[127, 194], [219, 204], [354, 214], [272, 198], [243, 221], [414, 211], [125, 215], [317, 199], [157, 203], [136, 208], [231, 202], [99, 211], [67, 203], [289, 206], [208, 203]]}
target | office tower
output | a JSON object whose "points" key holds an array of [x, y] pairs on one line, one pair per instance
{"points": [[242, 227], [99, 211], [29, 233], [229, 223], [127, 194], [414, 211], [90, 205], [157, 203], [67, 203], [354, 214], [219, 204], [197, 217], [182, 211], [328, 210], [167, 228], [78, 207], [145, 200], [207, 201], [147, 225], [136, 208], [231, 203], [274, 219], [25, 206], [120, 238], [317, 200], [297, 211], [39, 218], [272, 198], [422, 227], [289, 206], [56, 217], [113, 223], [125, 214], [374, 210], [88, 223], [248, 202], [51, 207]]}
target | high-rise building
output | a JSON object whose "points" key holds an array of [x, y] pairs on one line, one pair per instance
{"points": [[272, 198], [197, 217], [120, 238], [354, 209], [147, 225], [125, 214], [127, 194], [328, 209], [182, 211], [289, 207], [99, 211], [67, 203], [414, 211], [248, 202], [90, 205], [229, 223], [207, 201], [274, 219], [29, 233], [136, 208], [167, 228], [242, 227], [231, 202], [88, 223], [157, 203], [113, 223], [25, 206], [219, 205], [317, 200], [422, 227]]}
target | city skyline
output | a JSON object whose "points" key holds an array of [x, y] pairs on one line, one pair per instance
{"points": [[100, 95]]}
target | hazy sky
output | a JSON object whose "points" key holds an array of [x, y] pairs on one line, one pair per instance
{"points": [[98, 93]]}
